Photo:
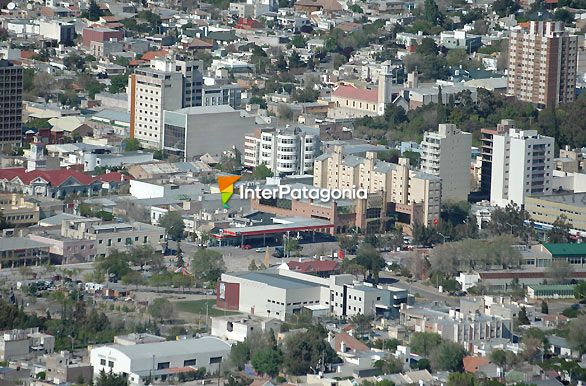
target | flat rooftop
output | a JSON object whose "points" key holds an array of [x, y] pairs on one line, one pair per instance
{"points": [[275, 280]]}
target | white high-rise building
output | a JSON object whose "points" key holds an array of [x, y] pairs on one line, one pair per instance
{"points": [[522, 165], [286, 151], [167, 84], [446, 154]]}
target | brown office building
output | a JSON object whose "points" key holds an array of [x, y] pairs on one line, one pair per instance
{"points": [[542, 64], [10, 104]]}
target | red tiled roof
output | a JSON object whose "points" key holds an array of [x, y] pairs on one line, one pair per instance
{"points": [[113, 25], [27, 54], [55, 177], [350, 342], [150, 55], [351, 92], [349, 27], [136, 62], [313, 266], [471, 364], [198, 43], [110, 18]]}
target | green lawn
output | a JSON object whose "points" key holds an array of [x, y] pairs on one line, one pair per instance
{"points": [[199, 307]]}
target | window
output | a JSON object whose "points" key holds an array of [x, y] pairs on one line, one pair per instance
{"points": [[190, 362], [162, 365], [103, 362], [110, 363], [215, 360]]}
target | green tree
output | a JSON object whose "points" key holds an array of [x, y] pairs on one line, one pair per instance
{"points": [[522, 319], [252, 265], [133, 278], [368, 257], [116, 263], [389, 365], [94, 12], [161, 308], [577, 334], [461, 379], [423, 342], [306, 350], [447, 356], [111, 379], [431, 12], [298, 41], [348, 243], [295, 60], [267, 361], [292, 246], [427, 47], [505, 7], [173, 224], [261, 172], [118, 83], [356, 8], [132, 144], [74, 62], [512, 220], [560, 232], [580, 290], [240, 354], [207, 265]]}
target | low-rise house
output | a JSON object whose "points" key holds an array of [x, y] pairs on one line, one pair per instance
{"points": [[239, 328], [62, 367], [16, 251], [54, 183], [25, 344], [17, 211], [110, 236]]}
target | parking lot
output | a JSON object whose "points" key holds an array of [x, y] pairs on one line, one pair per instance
{"points": [[238, 259]]}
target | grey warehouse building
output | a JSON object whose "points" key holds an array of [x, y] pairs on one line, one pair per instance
{"points": [[193, 131]]}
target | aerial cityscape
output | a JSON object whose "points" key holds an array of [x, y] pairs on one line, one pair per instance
{"points": [[293, 192]]}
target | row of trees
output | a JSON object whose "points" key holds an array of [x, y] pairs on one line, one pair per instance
{"points": [[206, 267], [301, 353]]}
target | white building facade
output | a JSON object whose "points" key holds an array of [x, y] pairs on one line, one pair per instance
{"points": [[286, 151], [446, 154], [522, 165], [159, 361], [168, 84]]}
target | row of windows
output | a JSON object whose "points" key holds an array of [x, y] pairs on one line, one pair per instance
{"points": [[127, 241]]}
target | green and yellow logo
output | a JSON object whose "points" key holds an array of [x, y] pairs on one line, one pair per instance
{"points": [[226, 185]]}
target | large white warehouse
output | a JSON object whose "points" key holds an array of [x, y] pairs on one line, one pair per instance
{"points": [[161, 360]]}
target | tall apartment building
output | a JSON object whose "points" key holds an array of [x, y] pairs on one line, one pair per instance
{"points": [[522, 165], [401, 186], [486, 136], [168, 84], [447, 154], [542, 64], [10, 104], [288, 150]]}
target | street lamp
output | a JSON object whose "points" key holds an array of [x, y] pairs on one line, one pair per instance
{"points": [[444, 236], [511, 225]]}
